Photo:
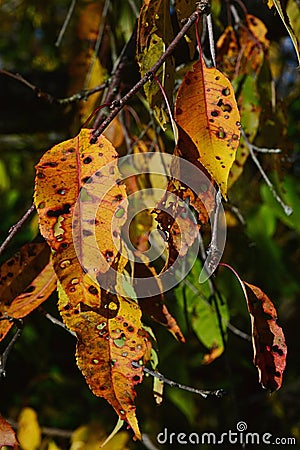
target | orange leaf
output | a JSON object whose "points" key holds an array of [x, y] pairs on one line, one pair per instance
{"points": [[85, 239], [268, 339], [18, 272], [26, 281], [32, 297], [207, 111]]}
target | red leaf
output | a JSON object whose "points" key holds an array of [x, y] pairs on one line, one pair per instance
{"points": [[268, 339], [7, 434]]}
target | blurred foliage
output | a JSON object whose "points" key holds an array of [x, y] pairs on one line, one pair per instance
{"points": [[265, 248]]}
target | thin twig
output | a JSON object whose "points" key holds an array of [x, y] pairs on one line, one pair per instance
{"points": [[287, 209], [4, 355], [119, 104], [266, 150], [83, 94], [55, 321], [211, 39], [15, 228], [65, 24], [204, 393], [47, 431]]}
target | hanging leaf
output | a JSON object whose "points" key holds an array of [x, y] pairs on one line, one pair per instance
{"points": [[7, 434], [228, 52], [203, 313], [108, 327], [268, 339], [241, 51], [154, 35], [33, 296], [253, 44], [19, 271], [207, 111], [281, 9], [110, 338]]}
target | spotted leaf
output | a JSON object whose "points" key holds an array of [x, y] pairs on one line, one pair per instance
{"points": [[82, 207], [268, 339], [206, 110]]}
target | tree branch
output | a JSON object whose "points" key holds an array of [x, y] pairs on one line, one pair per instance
{"points": [[287, 209], [204, 393], [83, 94], [15, 228], [202, 8]]}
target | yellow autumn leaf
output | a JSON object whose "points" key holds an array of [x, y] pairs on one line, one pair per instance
{"points": [[29, 431], [81, 207], [206, 110]]}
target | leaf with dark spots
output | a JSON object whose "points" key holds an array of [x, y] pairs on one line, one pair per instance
{"points": [[205, 93], [269, 345], [91, 312], [18, 272], [32, 296]]}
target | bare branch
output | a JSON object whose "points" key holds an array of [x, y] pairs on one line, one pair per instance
{"points": [[287, 209], [15, 228], [83, 94], [4, 355], [204, 393], [66, 23]]}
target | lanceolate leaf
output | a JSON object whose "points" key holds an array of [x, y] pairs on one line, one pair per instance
{"points": [[154, 35], [207, 111], [278, 4], [110, 338], [108, 326], [203, 313], [32, 297], [268, 339]]}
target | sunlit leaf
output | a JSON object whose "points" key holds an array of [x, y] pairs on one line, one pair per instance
{"points": [[207, 111], [29, 431], [281, 9], [268, 339], [108, 326]]}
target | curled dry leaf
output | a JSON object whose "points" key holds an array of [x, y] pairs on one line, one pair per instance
{"points": [[206, 110], [108, 326], [269, 345]]}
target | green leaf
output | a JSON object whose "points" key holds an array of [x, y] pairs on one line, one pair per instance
{"points": [[202, 310], [154, 35]]}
